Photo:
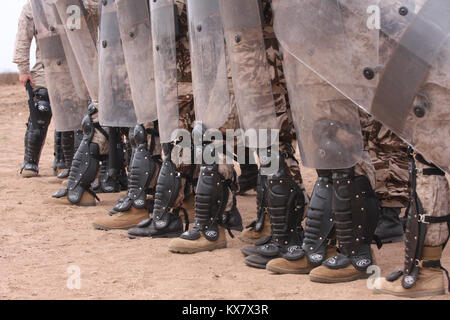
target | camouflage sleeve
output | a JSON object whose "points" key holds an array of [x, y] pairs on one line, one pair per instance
{"points": [[25, 34]]}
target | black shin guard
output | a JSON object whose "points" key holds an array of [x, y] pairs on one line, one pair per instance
{"points": [[319, 222], [112, 177], [59, 161], [68, 149], [143, 168], [166, 220], [35, 137], [212, 196], [286, 205], [85, 164], [261, 203], [356, 211], [248, 179]]}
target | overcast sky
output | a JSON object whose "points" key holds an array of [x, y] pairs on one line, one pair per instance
{"points": [[9, 17]]}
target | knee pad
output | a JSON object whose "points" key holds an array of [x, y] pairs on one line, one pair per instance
{"points": [[44, 111]]}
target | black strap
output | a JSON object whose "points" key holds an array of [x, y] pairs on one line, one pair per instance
{"points": [[88, 190], [442, 219], [377, 241], [102, 131], [432, 172], [186, 217]]}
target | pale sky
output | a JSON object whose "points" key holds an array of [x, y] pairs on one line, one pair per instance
{"points": [[9, 16]]}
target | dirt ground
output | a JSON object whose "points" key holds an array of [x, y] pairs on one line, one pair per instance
{"points": [[39, 241]]}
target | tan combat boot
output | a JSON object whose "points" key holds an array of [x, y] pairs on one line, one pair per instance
{"points": [[60, 198], [260, 228], [300, 266], [250, 235], [430, 281], [183, 245], [29, 173], [340, 269], [122, 220]]}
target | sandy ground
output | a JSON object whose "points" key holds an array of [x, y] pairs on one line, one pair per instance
{"points": [[39, 241]]}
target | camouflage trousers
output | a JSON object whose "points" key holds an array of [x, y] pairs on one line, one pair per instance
{"points": [[390, 160], [99, 138], [434, 194]]}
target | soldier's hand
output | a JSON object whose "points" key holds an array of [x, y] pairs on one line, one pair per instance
{"points": [[23, 78]]}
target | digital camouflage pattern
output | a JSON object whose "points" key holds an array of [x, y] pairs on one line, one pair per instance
{"points": [[25, 34], [434, 194], [390, 160]]}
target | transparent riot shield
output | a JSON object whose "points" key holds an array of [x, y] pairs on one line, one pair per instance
{"points": [[208, 61], [116, 107], [327, 123], [134, 25], [390, 57], [68, 100], [251, 79], [82, 37], [165, 62]]}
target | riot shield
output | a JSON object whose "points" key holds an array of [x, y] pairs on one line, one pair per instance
{"points": [[208, 62], [251, 79], [327, 123], [390, 57], [165, 62], [67, 92], [116, 107], [82, 38], [134, 25]]}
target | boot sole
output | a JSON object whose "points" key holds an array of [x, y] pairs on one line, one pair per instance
{"points": [[339, 280], [29, 175], [64, 201], [255, 265], [168, 235], [287, 271], [106, 228], [196, 250], [247, 240], [413, 294], [85, 204]]}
